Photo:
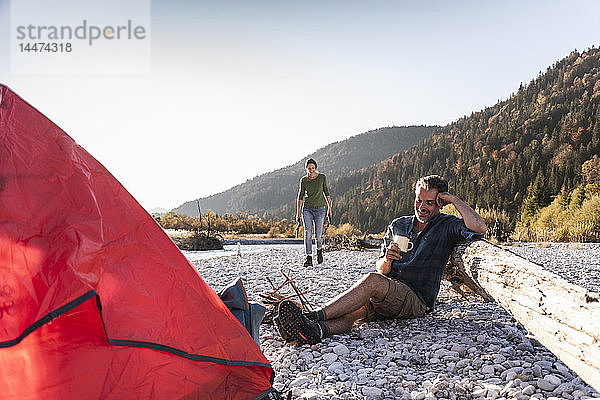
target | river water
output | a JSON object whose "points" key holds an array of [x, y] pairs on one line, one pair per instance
{"points": [[232, 250]]}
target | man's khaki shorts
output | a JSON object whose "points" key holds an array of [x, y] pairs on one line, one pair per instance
{"points": [[399, 302]]}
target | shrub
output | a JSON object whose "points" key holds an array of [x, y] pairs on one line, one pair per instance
{"points": [[344, 229], [274, 232], [573, 217], [549, 216]]}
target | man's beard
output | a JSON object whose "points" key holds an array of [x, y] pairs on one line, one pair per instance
{"points": [[423, 218]]}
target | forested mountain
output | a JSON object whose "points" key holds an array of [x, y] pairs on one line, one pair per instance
{"points": [[275, 192], [513, 156]]}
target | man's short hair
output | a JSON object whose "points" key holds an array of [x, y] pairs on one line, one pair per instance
{"points": [[432, 182]]}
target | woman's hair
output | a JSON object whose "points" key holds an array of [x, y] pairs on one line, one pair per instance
{"points": [[432, 182], [310, 161]]}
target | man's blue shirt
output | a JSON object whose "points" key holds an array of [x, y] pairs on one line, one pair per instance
{"points": [[421, 268]]}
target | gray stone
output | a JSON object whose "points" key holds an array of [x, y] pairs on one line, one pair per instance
{"points": [[371, 392], [368, 333], [440, 353], [517, 370], [545, 385], [310, 395], [381, 382], [488, 370], [526, 346], [418, 395], [528, 390], [414, 358], [341, 350], [307, 355], [300, 381], [336, 366], [363, 380], [459, 348], [510, 375], [547, 365], [562, 368], [553, 379], [499, 359], [330, 357], [578, 393], [510, 351], [564, 388]]}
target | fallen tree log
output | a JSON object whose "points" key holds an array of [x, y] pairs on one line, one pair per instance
{"points": [[564, 317]]}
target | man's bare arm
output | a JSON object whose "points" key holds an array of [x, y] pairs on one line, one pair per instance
{"points": [[384, 264], [473, 221]]}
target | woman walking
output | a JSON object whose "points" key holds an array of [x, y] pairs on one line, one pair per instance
{"points": [[314, 194]]}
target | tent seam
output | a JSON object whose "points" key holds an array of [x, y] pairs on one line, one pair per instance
{"points": [[49, 317], [173, 350]]}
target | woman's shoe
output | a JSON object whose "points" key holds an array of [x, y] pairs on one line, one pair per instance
{"points": [[319, 256], [308, 262]]}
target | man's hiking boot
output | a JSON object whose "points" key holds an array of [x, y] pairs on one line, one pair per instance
{"points": [[319, 256], [308, 262], [299, 327], [284, 334], [317, 315]]}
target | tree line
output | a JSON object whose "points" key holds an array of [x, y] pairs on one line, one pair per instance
{"points": [[226, 223]]}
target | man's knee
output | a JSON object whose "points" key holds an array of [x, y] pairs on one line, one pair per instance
{"points": [[374, 278], [376, 284]]}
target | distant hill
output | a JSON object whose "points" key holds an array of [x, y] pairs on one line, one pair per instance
{"points": [[512, 156], [275, 192]]}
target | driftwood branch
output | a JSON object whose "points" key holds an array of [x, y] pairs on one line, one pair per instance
{"points": [[272, 298], [562, 316]]}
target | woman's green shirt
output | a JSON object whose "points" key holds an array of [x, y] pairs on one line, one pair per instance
{"points": [[313, 191]]}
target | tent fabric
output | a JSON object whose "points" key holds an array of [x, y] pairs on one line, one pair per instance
{"points": [[96, 301]]}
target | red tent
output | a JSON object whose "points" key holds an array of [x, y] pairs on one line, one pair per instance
{"points": [[96, 301]]}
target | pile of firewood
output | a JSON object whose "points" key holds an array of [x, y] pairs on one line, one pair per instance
{"points": [[288, 290]]}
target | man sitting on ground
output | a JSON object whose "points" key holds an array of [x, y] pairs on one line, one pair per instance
{"points": [[407, 282]]}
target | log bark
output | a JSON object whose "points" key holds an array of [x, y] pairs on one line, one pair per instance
{"points": [[564, 317]]}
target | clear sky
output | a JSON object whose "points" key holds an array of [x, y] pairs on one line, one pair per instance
{"points": [[239, 88]]}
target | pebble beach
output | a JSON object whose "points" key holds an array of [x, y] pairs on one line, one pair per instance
{"points": [[464, 349]]}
